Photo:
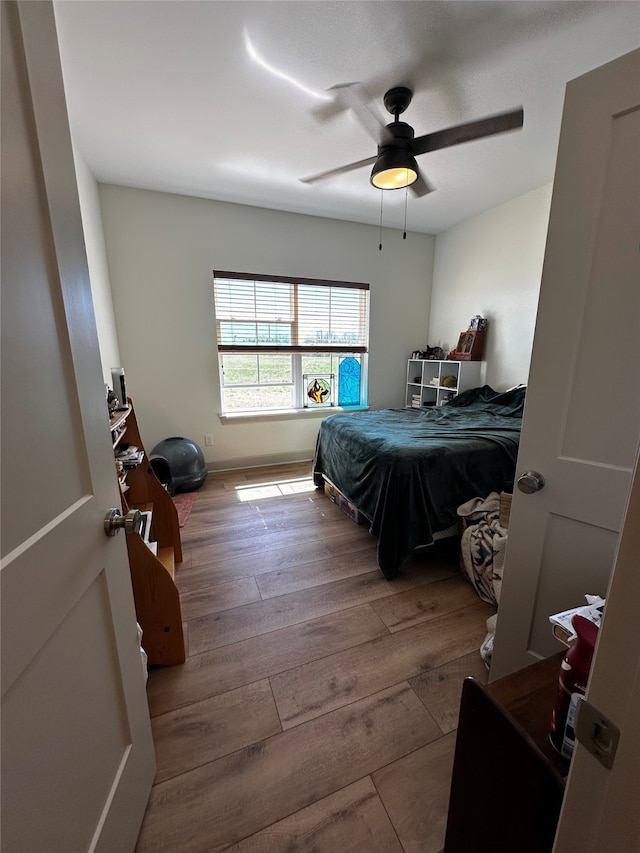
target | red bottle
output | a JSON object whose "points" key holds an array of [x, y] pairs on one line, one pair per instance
{"points": [[574, 673]]}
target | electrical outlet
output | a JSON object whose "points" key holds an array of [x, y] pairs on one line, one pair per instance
{"points": [[208, 440]]}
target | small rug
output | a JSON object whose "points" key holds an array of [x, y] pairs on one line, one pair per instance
{"points": [[184, 502]]}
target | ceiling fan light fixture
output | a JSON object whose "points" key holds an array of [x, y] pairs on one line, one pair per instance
{"points": [[395, 169]]}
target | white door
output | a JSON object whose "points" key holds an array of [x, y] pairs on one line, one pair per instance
{"points": [[582, 414], [77, 753]]}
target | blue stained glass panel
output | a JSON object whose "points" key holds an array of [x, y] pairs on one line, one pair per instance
{"points": [[349, 382]]}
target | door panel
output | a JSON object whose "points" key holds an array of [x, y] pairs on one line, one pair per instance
{"points": [[592, 548], [608, 349], [77, 753], [79, 790]]}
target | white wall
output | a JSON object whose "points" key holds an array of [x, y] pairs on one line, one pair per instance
{"points": [[98, 267], [162, 249], [492, 265]]}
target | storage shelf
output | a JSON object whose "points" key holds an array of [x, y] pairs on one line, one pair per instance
{"points": [[155, 594], [430, 391], [165, 555], [118, 423]]}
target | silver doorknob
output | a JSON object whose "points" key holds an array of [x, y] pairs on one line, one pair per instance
{"points": [[130, 523], [530, 482]]}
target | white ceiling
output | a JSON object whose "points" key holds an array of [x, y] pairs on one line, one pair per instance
{"points": [[228, 100]]}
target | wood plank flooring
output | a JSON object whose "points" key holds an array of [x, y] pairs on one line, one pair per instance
{"points": [[317, 707]]}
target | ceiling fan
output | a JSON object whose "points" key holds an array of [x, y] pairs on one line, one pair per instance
{"points": [[395, 166]]}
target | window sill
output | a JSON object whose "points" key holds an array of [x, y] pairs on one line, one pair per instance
{"points": [[287, 414]]}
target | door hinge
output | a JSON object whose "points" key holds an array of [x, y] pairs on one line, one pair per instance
{"points": [[596, 733]]}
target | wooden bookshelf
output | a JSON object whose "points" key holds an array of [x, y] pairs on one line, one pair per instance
{"points": [[155, 594]]}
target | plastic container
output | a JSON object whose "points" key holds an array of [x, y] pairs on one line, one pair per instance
{"points": [[179, 464], [572, 683]]}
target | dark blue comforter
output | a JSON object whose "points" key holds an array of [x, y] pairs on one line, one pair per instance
{"points": [[408, 470]]}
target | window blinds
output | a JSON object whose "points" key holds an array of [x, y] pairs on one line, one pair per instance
{"points": [[260, 313]]}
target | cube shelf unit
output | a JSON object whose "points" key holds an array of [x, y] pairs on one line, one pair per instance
{"points": [[425, 381]]}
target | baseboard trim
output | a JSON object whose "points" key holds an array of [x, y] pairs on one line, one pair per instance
{"points": [[259, 461]]}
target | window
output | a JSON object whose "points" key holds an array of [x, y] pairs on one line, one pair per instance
{"points": [[286, 343]]}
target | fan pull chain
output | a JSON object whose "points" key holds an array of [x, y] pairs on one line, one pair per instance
{"points": [[406, 195], [381, 197]]}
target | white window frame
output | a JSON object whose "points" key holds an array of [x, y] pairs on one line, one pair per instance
{"points": [[358, 320]]}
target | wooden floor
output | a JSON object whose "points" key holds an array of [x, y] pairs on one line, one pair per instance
{"points": [[317, 707]]}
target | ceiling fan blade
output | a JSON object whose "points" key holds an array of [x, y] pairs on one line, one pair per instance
{"points": [[353, 95], [500, 123], [312, 179], [335, 105], [421, 187]]}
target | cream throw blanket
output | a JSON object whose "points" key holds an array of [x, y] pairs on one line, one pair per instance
{"points": [[482, 548]]}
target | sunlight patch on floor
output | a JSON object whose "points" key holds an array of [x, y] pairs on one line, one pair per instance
{"points": [[275, 489]]}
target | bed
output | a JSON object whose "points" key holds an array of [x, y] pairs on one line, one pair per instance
{"points": [[408, 470]]}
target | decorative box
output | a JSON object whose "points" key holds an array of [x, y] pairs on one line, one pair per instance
{"points": [[470, 346]]}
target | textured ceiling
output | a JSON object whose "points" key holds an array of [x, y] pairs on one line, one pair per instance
{"points": [[229, 100]]}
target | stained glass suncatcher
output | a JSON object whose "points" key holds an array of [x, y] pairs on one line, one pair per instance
{"points": [[318, 389], [349, 382]]}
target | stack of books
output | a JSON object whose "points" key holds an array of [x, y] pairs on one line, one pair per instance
{"points": [[416, 401]]}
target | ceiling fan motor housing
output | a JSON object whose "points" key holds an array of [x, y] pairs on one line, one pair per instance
{"points": [[401, 133]]}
